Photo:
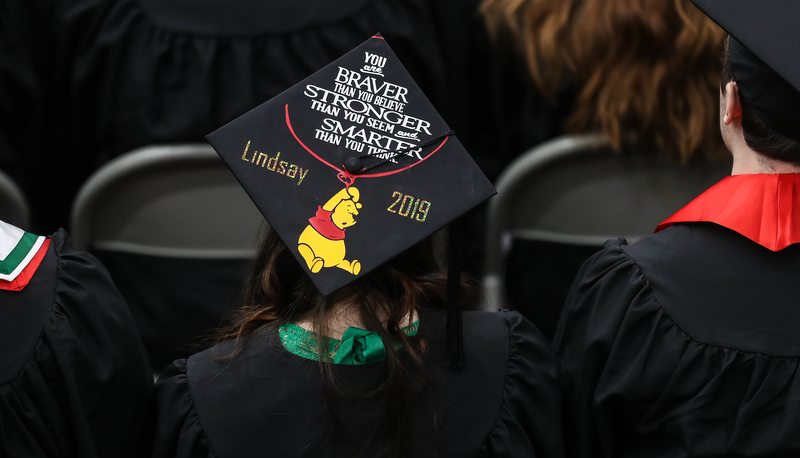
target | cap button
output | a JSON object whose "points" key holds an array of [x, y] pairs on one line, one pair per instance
{"points": [[353, 165]]}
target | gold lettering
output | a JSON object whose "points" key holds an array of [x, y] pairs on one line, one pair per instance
{"points": [[273, 162]]}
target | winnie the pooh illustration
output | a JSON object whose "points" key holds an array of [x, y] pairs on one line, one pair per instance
{"points": [[322, 242]]}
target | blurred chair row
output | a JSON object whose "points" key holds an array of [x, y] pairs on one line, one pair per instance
{"points": [[575, 190], [559, 202], [174, 217], [175, 201], [176, 231]]}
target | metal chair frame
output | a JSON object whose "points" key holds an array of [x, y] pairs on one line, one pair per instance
{"points": [[576, 190], [174, 201]]}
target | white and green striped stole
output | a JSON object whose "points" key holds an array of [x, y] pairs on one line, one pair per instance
{"points": [[17, 249]]}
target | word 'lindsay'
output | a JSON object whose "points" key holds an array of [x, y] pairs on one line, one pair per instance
{"points": [[274, 164]]}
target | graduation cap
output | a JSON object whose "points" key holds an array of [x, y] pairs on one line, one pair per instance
{"points": [[764, 56], [352, 166]]}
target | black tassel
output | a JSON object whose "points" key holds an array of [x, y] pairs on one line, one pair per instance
{"points": [[453, 348]]}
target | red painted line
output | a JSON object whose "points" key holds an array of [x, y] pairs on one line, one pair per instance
{"points": [[343, 171]]}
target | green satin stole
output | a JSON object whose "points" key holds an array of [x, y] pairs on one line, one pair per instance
{"points": [[356, 347]]}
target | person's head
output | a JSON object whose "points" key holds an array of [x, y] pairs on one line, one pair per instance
{"points": [[757, 134], [279, 290], [642, 71]]}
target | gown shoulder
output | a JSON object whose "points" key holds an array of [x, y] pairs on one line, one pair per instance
{"points": [[529, 419], [75, 381], [505, 403], [640, 379], [179, 433]]}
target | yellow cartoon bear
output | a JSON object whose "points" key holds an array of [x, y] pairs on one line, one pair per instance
{"points": [[322, 242]]}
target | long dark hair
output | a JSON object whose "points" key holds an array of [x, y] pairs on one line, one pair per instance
{"points": [[277, 290]]}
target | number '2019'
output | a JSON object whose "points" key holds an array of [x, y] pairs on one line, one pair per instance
{"points": [[410, 207]]}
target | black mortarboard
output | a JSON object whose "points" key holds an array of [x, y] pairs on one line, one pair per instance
{"points": [[352, 165], [764, 55]]}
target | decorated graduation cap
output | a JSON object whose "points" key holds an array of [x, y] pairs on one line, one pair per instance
{"points": [[352, 165], [764, 56]]}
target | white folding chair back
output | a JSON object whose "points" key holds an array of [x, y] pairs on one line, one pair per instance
{"points": [[175, 201], [576, 190]]}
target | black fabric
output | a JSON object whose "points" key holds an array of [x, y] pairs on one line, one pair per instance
{"points": [[88, 80], [20, 322], [504, 403], [538, 279], [22, 96], [175, 302], [764, 56], [772, 98], [248, 17], [685, 343], [74, 380]]}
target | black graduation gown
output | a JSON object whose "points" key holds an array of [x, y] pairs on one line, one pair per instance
{"points": [[74, 380], [685, 343], [267, 401]]}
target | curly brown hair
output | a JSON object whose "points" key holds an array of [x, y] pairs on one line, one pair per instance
{"points": [[645, 71]]}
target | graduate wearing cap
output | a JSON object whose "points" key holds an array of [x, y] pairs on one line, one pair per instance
{"points": [[352, 340], [74, 378], [687, 342]]}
